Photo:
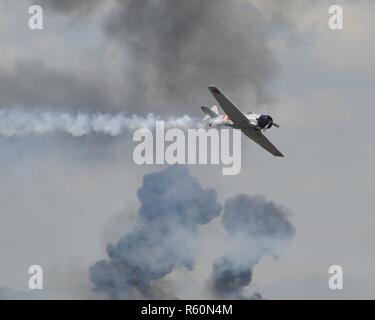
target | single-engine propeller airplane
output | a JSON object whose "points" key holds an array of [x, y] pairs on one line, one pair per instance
{"points": [[251, 124]]}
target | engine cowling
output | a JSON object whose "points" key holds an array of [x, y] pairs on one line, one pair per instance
{"points": [[265, 122]]}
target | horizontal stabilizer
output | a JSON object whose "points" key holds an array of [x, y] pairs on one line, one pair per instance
{"points": [[212, 113]]}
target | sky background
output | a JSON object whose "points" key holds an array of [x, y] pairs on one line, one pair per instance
{"points": [[63, 199]]}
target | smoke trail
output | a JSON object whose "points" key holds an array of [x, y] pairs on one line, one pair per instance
{"points": [[18, 123], [173, 204], [256, 228]]}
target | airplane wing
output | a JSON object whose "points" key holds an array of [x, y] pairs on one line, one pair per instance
{"points": [[260, 139], [240, 121], [234, 114]]}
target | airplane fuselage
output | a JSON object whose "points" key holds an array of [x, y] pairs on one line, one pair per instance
{"points": [[224, 120], [251, 124]]}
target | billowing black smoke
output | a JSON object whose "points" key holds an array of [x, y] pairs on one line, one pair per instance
{"points": [[173, 204], [71, 6], [171, 51], [229, 277], [176, 48], [256, 228]]}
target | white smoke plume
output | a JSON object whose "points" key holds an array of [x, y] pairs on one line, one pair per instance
{"points": [[18, 123]]}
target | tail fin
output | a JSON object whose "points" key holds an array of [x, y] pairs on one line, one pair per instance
{"points": [[215, 109], [210, 113]]}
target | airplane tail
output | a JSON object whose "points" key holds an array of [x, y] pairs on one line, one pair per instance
{"points": [[210, 113]]}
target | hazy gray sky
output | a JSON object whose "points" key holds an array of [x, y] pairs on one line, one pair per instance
{"points": [[63, 199]]}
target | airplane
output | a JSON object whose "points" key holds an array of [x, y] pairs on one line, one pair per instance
{"points": [[251, 124]]}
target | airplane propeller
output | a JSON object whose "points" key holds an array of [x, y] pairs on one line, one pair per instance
{"points": [[271, 123]]}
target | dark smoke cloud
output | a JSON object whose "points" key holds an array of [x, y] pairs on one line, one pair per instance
{"points": [[173, 204], [228, 277], [256, 228], [33, 85], [172, 50], [176, 48], [256, 217], [71, 6]]}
